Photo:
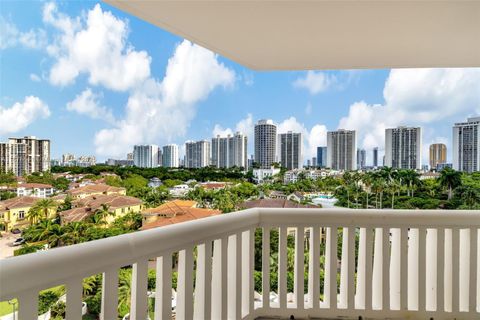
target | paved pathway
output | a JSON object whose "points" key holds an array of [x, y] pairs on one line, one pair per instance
{"points": [[6, 248]]}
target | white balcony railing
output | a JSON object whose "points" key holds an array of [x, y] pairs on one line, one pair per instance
{"points": [[415, 264]]}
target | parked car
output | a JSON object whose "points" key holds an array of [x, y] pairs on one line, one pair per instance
{"points": [[18, 242]]}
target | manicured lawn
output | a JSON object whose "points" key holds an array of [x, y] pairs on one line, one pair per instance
{"points": [[5, 308]]}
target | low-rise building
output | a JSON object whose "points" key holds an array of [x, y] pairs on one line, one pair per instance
{"points": [[118, 206], [37, 190], [211, 185], [13, 212], [95, 190], [179, 190], [295, 175], [154, 182], [261, 175], [173, 212]]}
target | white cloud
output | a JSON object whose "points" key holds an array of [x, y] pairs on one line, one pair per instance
{"points": [[96, 45], [315, 82], [35, 77], [218, 130], [87, 103], [158, 112], [22, 114], [431, 98], [245, 126], [10, 36]]}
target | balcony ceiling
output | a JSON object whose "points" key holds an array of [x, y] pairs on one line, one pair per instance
{"points": [[322, 34]]}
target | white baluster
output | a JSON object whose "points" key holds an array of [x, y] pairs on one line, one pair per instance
{"points": [[422, 269], [369, 269], [185, 284], [139, 302], [413, 269], [219, 282], [203, 284], [385, 268], [28, 305], [282, 266], [314, 268], [330, 288], [74, 299], [248, 265], [234, 294], [473, 278], [464, 257], [455, 269], [351, 268], [299, 271], [395, 270], [404, 268], [266, 268], [440, 296], [361, 270], [377, 295], [109, 294], [163, 289]]}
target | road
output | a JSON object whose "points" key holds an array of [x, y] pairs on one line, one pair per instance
{"points": [[6, 248]]}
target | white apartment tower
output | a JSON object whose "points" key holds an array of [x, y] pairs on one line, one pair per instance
{"points": [[230, 151], [291, 150], [170, 156], [197, 154], [403, 148], [342, 150], [466, 145], [265, 143], [145, 156], [25, 155]]}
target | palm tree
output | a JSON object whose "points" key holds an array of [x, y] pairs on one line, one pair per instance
{"points": [[125, 288], [450, 179], [74, 233], [41, 210], [89, 284], [367, 185], [470, 196], [101, 214]]}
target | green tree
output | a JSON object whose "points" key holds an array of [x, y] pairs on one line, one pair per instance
{"points": [[450, 179]]}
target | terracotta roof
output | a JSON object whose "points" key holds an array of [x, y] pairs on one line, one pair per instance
{"points": [[188, 215], [94, 188], [34, 185], [172, 207], [113, 201], [273, 203], [213, 185], [75, 214], [17, 202]]}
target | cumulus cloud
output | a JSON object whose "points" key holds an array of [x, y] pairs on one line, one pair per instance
{"points": [[431, 98], [11, 37], [87, 103], [22, 114], [159, 111], [96, 45], [315, 82]]}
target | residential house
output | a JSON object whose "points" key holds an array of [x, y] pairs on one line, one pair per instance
{"points": [[118, 206], [175, 211], [37, 190], [95, 190], [13, 212]]}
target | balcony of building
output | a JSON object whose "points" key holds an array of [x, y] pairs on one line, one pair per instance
{"points": [[349, 264]]}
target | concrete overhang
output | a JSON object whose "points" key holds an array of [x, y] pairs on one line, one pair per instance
{"points": [[323, 34]]}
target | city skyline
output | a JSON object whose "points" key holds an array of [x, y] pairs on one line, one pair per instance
{"points": [[49, 92]]}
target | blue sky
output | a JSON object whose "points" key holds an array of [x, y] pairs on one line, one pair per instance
{"points": [[95, 80]]}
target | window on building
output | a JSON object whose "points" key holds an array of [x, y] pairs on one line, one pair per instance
{"points": [[21, 215]]}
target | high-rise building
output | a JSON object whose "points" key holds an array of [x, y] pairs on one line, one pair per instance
{"points": [[86, 161], [314, 161], [68, 159], [145, 156], [170, 156], [322, 157], [375, 157], [308, 163], [197, 154], [230, 151], [25, 155], [438, 154], [265, 143], [130, 156], [361, 158], [403, 148], [466, 145], [291, 150], [342, 150]]}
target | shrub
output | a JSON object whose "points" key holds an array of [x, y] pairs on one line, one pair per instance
{"points": [[45, 301], [58, 310]]}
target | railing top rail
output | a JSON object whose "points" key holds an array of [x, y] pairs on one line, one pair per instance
{"points": [[371, 217], [46, 269]]}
